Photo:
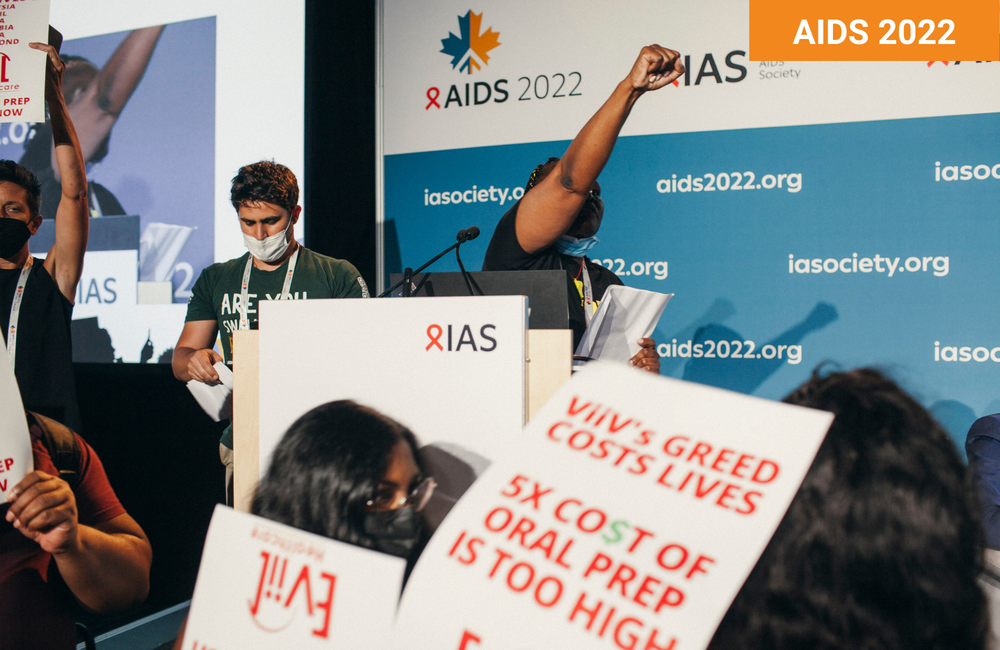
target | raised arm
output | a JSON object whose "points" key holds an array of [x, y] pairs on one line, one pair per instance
{"points": [[96, 109], [549, 209], [65, 260]]}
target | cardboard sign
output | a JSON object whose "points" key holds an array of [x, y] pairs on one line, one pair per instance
{"points": [[262, 585], [22, 69], [15, 441], [628, 516], [450, 369]]}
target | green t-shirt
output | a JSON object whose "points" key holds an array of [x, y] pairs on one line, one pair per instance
{"points": [[217, 293]]}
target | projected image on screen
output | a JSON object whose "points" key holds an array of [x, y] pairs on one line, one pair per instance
{"points": [[143, 104]]}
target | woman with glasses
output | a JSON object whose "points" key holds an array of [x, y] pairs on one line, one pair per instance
{"points": [[349, 473], [553, 225]]}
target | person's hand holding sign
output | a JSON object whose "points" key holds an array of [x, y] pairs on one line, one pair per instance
{"points": [[106, 565], [43, 508], [54, 69]]}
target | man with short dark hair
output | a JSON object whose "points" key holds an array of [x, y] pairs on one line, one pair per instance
{"points": [[36, 296], [225, 297]]}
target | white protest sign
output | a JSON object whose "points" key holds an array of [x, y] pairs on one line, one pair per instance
{"points": [[15, 440], [450, 369], [262, 584], [628, 516], [22, 69]]}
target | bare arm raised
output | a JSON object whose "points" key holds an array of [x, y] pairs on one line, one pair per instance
{"points": [[65, 260], [549, 210]]}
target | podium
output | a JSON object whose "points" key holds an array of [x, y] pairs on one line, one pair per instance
{"points": [[464, 374]]}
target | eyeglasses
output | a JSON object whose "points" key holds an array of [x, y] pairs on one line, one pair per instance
{"points": [[389, 499]]}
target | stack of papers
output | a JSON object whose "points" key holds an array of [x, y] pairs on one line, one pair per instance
{"points": [[625, 316]]}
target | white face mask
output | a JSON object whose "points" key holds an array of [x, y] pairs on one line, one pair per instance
{"points": [[269, 249]]}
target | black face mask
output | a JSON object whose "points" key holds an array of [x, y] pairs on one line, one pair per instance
{"points": [[395, 532], [13, 235]]}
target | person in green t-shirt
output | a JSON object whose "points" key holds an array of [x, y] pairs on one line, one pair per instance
{"points": [[265, 195]]}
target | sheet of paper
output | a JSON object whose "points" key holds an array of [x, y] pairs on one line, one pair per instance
{"points": [[15, 440], [22, 69], [627, 516], [624, 316], [217, 399], [263, 585]]}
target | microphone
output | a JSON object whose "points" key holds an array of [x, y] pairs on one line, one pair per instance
{"points": [[467, 235], [464, 235]]}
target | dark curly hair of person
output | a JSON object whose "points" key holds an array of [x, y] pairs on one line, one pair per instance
{"points": [[265, 181], [881, 546]]}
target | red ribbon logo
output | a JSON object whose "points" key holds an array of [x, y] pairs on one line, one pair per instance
{"points": [[433, 97], [435, 338]]}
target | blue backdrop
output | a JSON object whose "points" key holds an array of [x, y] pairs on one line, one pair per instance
{"points": [[912, 202]]}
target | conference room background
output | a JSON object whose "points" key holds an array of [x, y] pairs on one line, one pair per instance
{"points": [[809, 211]]}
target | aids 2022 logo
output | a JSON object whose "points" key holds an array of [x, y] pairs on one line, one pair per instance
{"points": [[469, 53]]}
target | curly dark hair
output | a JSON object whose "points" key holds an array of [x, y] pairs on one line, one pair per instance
{"points": [[265, 181], [881, 546], [11, 172], [327, 466]]}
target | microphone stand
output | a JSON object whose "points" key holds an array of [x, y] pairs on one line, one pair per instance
{"points": [[469, 281], [431, 261]]}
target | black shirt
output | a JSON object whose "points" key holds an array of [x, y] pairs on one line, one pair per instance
{"points": [[44, 362], [505, 254]]}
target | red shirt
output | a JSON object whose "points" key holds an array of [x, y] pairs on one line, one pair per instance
{"points": [[34, 602]]}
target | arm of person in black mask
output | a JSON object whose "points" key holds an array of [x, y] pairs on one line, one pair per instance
{"points": [[549, 209], [65, 260]]}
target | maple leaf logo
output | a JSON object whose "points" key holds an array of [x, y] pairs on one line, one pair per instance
{"points": [[469, 51]]}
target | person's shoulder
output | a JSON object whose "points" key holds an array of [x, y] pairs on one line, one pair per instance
{"points": [[331, 264], [342, 278]]}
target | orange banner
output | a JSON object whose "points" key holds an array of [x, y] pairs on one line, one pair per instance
{"points": [[891, 30]]}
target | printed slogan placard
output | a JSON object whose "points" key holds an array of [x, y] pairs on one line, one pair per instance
{"points": [[262, 585], [22, 69], [628, 517], [15, 442]]}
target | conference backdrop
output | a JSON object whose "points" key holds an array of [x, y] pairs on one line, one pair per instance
{"points": [[801, 212]]}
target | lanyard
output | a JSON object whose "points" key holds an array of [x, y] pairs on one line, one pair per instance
{"points": [[15, 310], [245, 289], [588, 294]]}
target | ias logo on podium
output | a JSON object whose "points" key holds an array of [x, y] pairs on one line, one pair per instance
{"points": [[470, 50]]}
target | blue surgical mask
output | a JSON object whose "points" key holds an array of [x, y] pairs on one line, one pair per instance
{"points": [[575, 247]]}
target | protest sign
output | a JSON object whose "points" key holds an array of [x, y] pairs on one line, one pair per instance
{"points": [[262, 584], [15, 442], [627, 516], [22, 69]]}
